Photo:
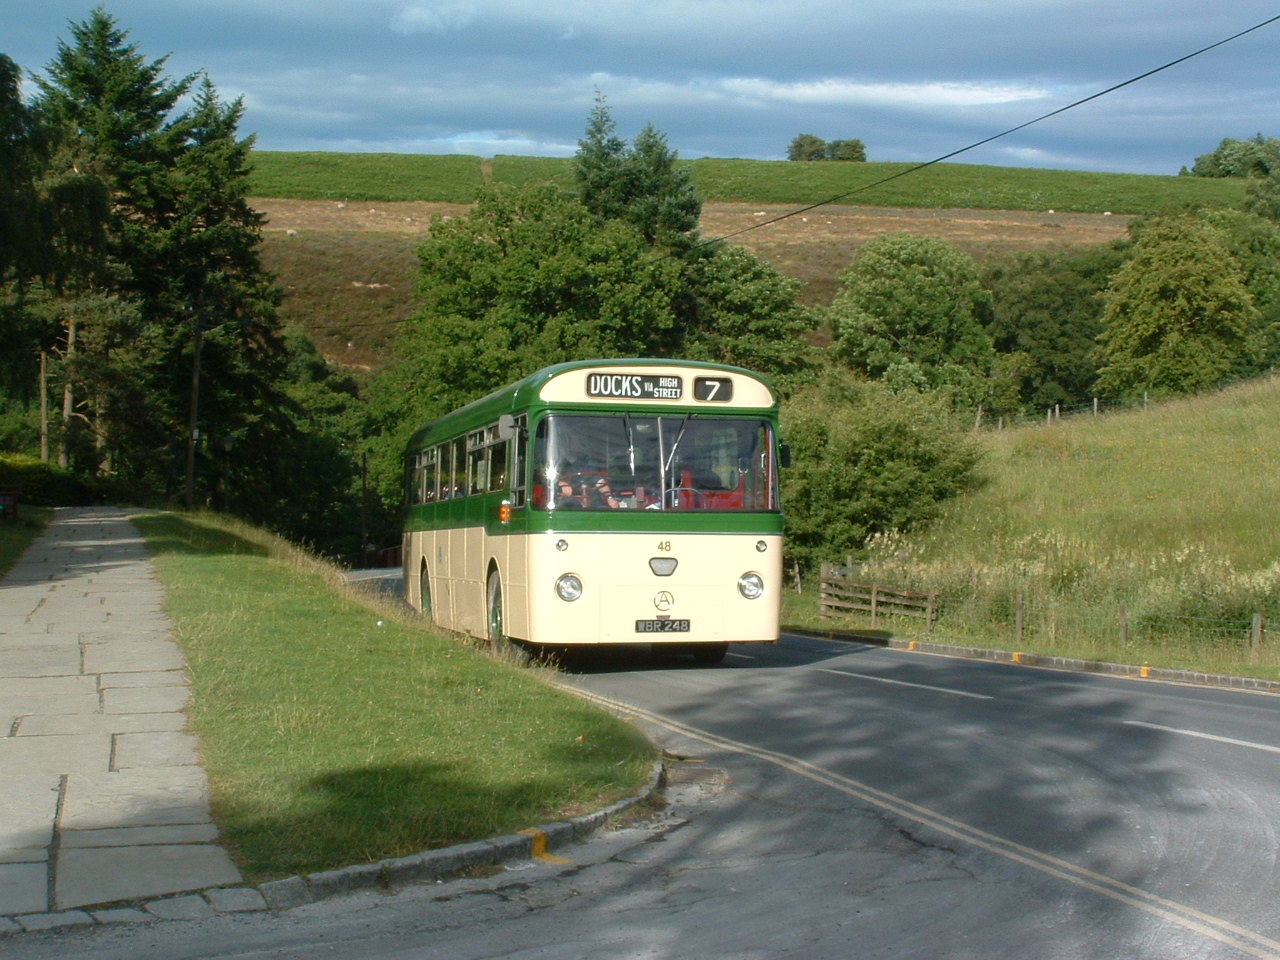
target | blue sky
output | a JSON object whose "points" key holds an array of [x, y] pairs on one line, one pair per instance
{"points": [[913, 79]]}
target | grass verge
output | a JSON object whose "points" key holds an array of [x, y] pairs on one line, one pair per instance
{"points": [[336, 730], [15, 537]]}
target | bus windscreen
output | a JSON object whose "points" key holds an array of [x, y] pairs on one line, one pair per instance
{"points": [[671, 462]]}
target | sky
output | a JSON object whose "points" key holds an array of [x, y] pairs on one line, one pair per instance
{"points": [[914, 80]]}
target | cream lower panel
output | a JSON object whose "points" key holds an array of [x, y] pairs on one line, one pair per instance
{"points": [[458, 562], [620, 587]]}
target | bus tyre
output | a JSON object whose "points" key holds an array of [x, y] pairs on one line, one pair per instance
{"points": [[500, 645], [710, 653]]}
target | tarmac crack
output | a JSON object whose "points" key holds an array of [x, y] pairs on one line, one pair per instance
{"points": [[55, 843]]}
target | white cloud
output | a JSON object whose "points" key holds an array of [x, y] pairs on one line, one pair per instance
{"points": [[838, 92], [414, 18]]}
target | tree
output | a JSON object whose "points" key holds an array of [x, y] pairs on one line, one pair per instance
{"points": [[1262, 194], [641, 185], [911, 311], [867, 460], [19, 224], [107, 108], [747, 314], [1048, 306], [807, 147], [1178, 316], [170, 330], [1238, 158], [528, 278], [847, 150], [1254, 243]]}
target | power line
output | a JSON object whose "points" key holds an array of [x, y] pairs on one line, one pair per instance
{"points": [[929, 163], [983, 142]]}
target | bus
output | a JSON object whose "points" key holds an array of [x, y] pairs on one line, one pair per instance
{"points": [[602, 502]]}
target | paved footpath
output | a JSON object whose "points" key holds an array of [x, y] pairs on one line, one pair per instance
{"points": [[102, 796]]}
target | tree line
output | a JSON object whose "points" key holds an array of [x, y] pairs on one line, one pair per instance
{"points": [[143, 348], [135, 295]]}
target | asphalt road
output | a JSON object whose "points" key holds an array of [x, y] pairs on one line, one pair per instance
{"points": [[845, 801]]}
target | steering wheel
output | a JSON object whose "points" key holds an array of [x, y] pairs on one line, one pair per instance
{"points": [[698, 500]]}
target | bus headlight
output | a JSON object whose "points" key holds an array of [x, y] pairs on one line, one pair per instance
{"points": [[568, 587], [751, 586]]}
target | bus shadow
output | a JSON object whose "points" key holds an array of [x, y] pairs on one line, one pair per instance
{"points": [[790, 651]]}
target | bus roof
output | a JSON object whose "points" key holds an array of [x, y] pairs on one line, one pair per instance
{"points": [[531, 391]]}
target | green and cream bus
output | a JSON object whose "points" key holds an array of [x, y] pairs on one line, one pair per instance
{"points": [[602, 502]]}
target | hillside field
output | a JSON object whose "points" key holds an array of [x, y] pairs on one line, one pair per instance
{"points": [[1142, 536], [341, 228]]}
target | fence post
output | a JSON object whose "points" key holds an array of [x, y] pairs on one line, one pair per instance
{"points": [[1017, 629], [875, 601], [1256, 649], [933, 612], [824, 578]]}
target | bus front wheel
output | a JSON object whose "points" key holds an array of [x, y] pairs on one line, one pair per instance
{"points": [[502, 646]]}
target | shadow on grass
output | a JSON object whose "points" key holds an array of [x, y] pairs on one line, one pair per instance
{"points": [[378, 812], [170, 533]]}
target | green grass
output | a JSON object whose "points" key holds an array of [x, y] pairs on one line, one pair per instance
{"points": [[17, 535], [456, 179], [365, 176], [1158, 521], [332, 739]]}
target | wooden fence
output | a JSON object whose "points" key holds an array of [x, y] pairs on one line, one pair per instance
{"points": [[839, 595]]}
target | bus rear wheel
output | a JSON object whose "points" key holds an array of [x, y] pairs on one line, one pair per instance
{"points": [[500, 645]]}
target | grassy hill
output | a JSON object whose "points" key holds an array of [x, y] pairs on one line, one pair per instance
{"points": [[343, 227], [1160, 522], [456, 179]]}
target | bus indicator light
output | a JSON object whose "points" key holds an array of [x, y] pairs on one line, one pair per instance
{"points": [[504, 512]]}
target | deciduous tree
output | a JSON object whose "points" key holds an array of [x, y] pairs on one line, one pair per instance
{"points": [[911, 310], [867, 460], [1178, 315], [807, 147]]}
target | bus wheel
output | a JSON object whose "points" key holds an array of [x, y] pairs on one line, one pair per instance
{"points": [[501, 646], [710, 653]]}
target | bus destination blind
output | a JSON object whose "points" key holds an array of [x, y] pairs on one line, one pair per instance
{"points": [[635, 386]]}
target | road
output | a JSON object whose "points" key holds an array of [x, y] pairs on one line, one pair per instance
{"points": [[838, 801]]}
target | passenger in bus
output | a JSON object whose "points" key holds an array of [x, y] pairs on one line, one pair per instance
{"points": [[602, 497]]}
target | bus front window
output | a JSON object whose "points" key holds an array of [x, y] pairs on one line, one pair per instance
{"points": [[675, 462]]}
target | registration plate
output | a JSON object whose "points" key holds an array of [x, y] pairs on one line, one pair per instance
{"points": [[662, 626]]}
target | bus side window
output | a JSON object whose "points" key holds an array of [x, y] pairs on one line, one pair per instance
{"points": [[429, 475], [517, 458], [477, 463], [498, 466], [458, 477]]}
